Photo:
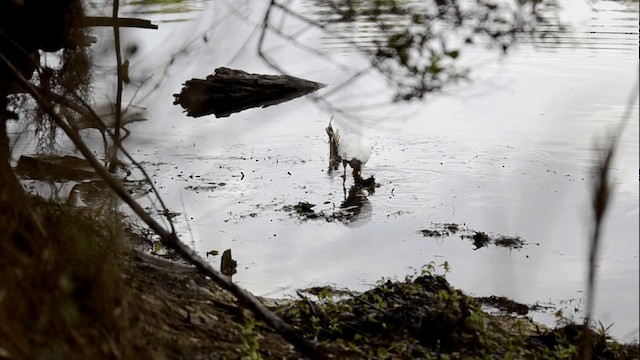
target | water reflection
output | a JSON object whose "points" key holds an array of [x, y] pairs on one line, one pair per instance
{"points": [[164, 11], [418, 44], [356, 206], [507, 154]]}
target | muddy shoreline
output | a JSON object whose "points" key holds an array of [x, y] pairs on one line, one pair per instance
{"points": [[186, 316], [165, 309]]}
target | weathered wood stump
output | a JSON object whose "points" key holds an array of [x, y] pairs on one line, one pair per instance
{"points": [[228, 91]]}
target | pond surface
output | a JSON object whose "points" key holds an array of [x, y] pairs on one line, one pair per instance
{"points": [[510, 153]]}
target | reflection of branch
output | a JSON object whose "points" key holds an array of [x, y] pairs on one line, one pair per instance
{"points": [[263, 34], [169, 239], [322, 100], [415, 47], [306, 20], [295, 41], [297, 15], [352, 78]]}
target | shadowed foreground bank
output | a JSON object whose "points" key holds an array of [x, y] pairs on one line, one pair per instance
{"points": [[81, 291]]}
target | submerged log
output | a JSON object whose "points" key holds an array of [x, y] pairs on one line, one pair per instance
{"points": [[91, 21], [228, 91], [54, 167]]}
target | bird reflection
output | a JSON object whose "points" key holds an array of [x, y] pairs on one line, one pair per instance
{"points": [[356, 207]]}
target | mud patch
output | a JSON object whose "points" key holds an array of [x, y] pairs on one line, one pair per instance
{"points": [[479, 239]]}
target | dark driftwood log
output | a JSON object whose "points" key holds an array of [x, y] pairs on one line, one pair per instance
{"points": [[121, 22], [54, 167], [228, 91]]}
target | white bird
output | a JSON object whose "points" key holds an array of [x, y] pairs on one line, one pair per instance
{"points": [[350, 148], [106, 119], [75, 198]]}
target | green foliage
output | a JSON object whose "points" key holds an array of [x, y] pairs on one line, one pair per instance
{"points": [[250, 341], [424, 317]]}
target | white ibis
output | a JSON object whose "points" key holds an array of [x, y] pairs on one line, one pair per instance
{"points": [[350, 148], [106, 113], [75, 198]]}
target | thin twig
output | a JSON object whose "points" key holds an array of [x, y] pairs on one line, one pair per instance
{"points": [[113, 161], [602, 189]]}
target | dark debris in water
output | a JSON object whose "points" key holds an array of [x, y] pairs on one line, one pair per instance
{"points": [[304, 210], [510, 242], [170, 215], [441, 230], [304, 207], [210, 186], [355, 206], [430, 233], [480, 239]]}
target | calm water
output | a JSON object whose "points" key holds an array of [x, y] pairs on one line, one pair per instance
{"points": [[510, 153]]}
